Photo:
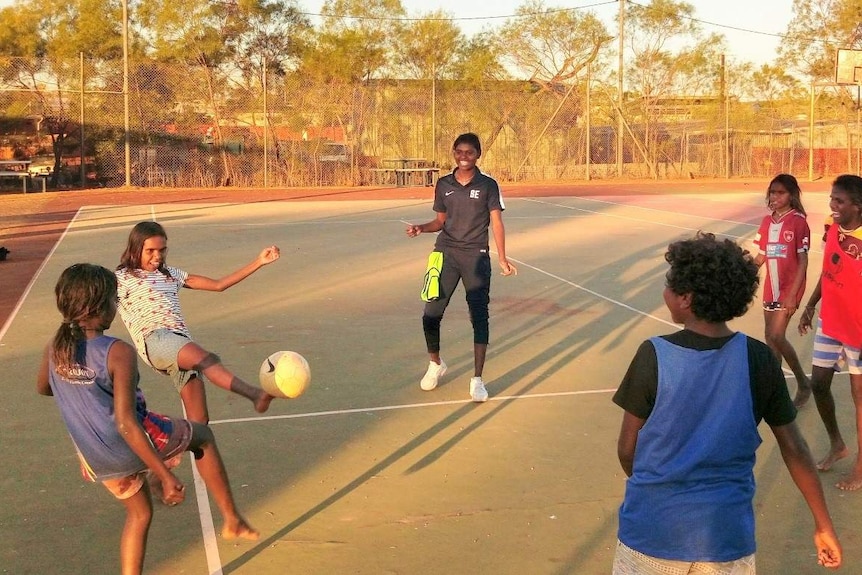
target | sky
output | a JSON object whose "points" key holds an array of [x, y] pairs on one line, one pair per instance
{"points": [[751, 27]]}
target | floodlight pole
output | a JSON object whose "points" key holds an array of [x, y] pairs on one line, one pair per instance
{"points": [[83, 170], [858, 134], [265, 128], [811, 136], [622, 20], [588, 119], [126, 143]]}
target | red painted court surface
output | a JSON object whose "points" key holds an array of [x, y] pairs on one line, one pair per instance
{"points": [[366, 473]]}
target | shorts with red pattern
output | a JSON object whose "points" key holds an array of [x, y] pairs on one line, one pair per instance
{"points": [[170, 437]]}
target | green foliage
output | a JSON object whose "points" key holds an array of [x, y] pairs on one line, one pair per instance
{"points": [[479, 59], [670, 54], [361, 34], [552, 46], [817, 30], [428, 46]]}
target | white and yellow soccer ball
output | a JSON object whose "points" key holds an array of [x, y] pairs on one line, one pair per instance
{"points": [[285, 374]]}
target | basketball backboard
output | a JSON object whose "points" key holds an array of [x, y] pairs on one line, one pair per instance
{"points": [[848, 66]]}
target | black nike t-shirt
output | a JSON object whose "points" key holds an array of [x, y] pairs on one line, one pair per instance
{"points": [[468, 210]]}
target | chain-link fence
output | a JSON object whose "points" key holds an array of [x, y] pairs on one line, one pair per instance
{"points": [[194, 126]]}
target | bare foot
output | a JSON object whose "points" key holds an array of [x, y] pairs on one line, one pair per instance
{"points": [[851, 482], [827, 462], [803, 394], [239, 528], [261, 404]]}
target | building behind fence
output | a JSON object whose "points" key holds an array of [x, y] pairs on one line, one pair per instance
{"points": [[191, 128]]}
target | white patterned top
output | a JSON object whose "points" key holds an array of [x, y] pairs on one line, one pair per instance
{"points": [[149, 301]]}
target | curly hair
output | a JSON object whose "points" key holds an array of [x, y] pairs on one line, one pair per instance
{"points": [[720, 276]]}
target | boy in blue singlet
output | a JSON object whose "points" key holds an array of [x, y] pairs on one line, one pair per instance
{"points": [[693, 400]]}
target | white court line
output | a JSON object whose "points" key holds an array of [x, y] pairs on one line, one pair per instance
{"points": [[593, 293], [586, 199], [633, 219], [409, 406], [205, 514], [30, 285], [811, 250]]}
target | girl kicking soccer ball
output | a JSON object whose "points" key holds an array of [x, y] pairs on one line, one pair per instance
{"points": [[94, 378], [783, 240], [150, 308]]}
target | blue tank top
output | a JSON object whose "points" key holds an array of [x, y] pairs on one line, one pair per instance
{"points": [[690, 494], [85, 397]]}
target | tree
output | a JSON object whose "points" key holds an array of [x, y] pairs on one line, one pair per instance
{"points": [[479, 60], [552, 46], [818, 28], [47, 37], [221, 39], [672, 61], [362, 33], [428, 46]]}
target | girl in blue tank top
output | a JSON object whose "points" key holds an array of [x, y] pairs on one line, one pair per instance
{"points": [[94, 379]]}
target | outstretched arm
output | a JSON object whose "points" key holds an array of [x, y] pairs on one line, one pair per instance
{"points": [[123, 368], [500, 240], [267, 256], [798, 460], [434, 225]]}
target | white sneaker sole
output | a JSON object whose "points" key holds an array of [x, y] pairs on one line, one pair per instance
{"points": [[478, 395], [432, 387]]}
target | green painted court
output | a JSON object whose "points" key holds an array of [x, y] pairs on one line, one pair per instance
{"points": [[366, 473]]}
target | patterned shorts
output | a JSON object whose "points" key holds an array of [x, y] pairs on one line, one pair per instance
{"points": [[170, 447], [627, 561], [832, 354]]}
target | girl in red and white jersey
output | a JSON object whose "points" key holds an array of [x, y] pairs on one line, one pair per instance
{"points": [[783, 240]]}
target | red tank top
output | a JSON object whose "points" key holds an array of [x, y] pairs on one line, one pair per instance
{"points": [[840, 286]]}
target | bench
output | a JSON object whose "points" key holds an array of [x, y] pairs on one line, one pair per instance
{"points": [[381, 176], [23, 176], [405, 176]]}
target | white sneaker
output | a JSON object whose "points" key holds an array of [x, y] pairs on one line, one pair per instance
{"points": [[477, 390], [433, 375]]}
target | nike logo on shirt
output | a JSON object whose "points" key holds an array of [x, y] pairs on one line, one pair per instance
{"points": [[450, 192]]}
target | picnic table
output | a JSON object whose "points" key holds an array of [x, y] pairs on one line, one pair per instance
{"points": [[405, 171], [18, 169]]}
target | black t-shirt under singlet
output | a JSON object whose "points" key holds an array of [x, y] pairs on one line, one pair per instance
{"points": [[772, 403]]}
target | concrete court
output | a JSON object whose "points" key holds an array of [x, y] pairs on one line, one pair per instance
{"points": [[366, 473]]}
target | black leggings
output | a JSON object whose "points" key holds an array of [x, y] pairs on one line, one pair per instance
{"points": [[473, 269]]}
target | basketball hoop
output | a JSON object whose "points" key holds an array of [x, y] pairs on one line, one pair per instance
{"points": [[848, 72]]}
